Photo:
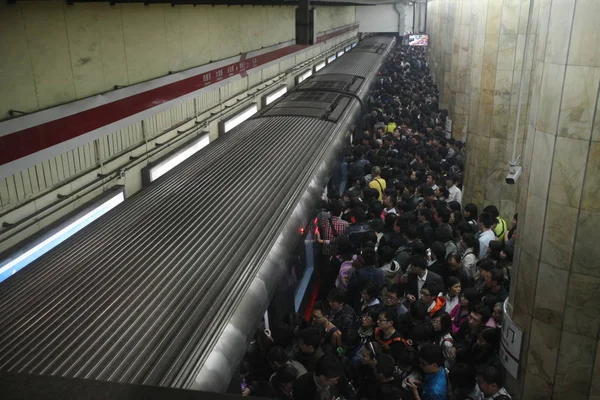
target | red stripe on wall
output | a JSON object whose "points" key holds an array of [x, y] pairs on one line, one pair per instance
{"points": [[28, 141]]}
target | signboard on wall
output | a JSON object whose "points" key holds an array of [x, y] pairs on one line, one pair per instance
{"points": [[510, 344], [448, 128]]}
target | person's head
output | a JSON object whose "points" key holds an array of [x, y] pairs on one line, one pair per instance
{"points": [[386, 320], [431, 179], [368, 353], [369, 292], [328, 370], [369, 256], [470, 297], [498, 313], [309, 340], [418, 264], [368, 317], [489, 339], [428, 293], [438, 251], [493, 279], [454, 286], [489, 379], [423, 332], [470, 212], [431, 358], [478, 317], [277, 357], [283, 334], [492, 210], [394, 295], [320, 313], [450, 181], [442, 323], [469, 241], [336, 299], [454, 261], [375, 171], [386, 367], [407, 358], [462, 376], [336, 207], [515, 220], [485, 221], [284, 378]]}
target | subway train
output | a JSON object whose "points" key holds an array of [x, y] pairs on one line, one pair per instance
{"points": [[168, 288]]}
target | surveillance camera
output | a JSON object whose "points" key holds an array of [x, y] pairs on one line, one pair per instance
{"points": [[513, 174]]}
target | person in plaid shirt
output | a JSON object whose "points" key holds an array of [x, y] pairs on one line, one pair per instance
{"points": [[332, 228]]}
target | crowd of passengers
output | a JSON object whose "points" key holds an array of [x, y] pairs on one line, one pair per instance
{"points": [[413, 281]]}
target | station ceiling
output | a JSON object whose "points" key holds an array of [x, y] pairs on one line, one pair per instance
{"points": [[245, 2]]}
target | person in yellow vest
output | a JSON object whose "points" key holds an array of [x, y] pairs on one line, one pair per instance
{"points": [[391, 126], [378, 182]]}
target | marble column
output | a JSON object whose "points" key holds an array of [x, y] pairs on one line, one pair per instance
{"points": [[497, 38], [556, 274]]}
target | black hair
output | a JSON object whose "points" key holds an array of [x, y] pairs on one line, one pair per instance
{"points": [[372, 311], [311, 337], [350, 338], [386, 254], [369, 256], [490, 374], [371, 289], [389, 315], [337, 295], [453, 256], [418, 261], [321, 306], [471, 242], [432, 354], [491, 337], [486, 219], [462, 376], [439, 250], [483, 311], [473, 211], [443, 234], [407, 356], [454, 206], [452, 280], [386, 366], [423, 332], [497, 276], [445, 323], [284, 374], [472, 295], [283, 334], [492, 210], [328, 366], [276, 354], [398, 290], [336, 207]]}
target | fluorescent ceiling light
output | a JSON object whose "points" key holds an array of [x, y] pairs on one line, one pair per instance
{"points": [[354, 45], [304, 76], [340, 53], [347, 48], [320, 66], [177, 158], [331, 58], [275, 95], [45, 244], [239, 118]]}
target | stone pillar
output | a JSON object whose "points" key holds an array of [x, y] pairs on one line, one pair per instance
{"points": [[459, 68], [556, 274], [497, 38]]}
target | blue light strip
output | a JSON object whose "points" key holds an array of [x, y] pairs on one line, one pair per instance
{"points": [[23, 258]]}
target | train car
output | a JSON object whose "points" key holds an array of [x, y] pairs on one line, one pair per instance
{"points": [[168, 288]]}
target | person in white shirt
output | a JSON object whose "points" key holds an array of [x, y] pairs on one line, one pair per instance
{"points": [[487, 234], [454, 193]]}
